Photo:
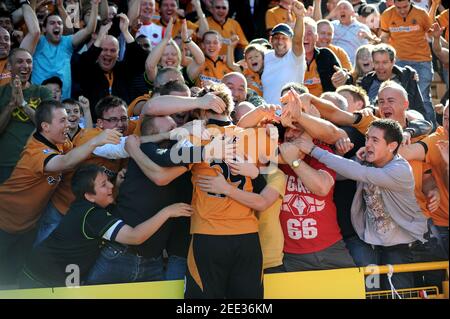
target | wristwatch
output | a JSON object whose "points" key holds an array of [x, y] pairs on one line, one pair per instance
{"points": [[296, 163], [24, 103], [188, 40]]}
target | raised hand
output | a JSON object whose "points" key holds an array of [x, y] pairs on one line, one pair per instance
{"points": [[169, 28], [436, 30], [184, 30], [339, 77], [124, 22], [84, 102], [298, 9]]}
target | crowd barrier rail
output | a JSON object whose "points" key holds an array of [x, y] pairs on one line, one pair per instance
{"points": [[348, 283]]}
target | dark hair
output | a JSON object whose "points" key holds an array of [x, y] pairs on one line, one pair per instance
{"points": [[161, 1], [222, 91], [13, 53], [357, 93], [53, 80], [158, 83], [385, 48], [393, 132], [83, 181], [173, 86], [5, 14], [214, 32], [71, 101], [108, 102], [299, 88], [147, 125], [44, 23], [44, 112]]}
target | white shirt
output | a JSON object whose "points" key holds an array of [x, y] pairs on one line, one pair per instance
{"points": [[280, 71], [153, 32], [346, 37]]}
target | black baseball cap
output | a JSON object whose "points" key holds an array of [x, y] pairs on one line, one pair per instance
{"points": [[282, 28]]}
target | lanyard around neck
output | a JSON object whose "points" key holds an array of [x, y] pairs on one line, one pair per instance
{"points": [[110, 78]]}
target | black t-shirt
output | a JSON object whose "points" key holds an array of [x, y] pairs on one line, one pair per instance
{"points": [[76, 241], [140, 199], [344, 191]]}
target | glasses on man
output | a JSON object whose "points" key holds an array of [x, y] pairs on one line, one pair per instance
{"points": [[115, 120], [220, 7]]}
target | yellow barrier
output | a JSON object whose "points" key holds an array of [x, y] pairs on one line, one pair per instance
{"points": [[346, 283]]}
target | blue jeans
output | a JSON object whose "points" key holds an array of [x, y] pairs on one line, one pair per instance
{"points": [[365, 254], [14, 248], [176, 268], [47, 224], [425, 72], [359, 252], [116, 265], [443, 242]]}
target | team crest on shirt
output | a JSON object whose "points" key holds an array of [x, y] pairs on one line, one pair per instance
{"points": [[53, 181]]}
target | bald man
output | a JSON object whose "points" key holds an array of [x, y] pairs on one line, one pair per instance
{"points": [[237, 83], [346, 30], [101, 72]]}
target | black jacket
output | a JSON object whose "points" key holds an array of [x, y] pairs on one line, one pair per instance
{"points": [[326, 60], [407, 77], [93, 83]]}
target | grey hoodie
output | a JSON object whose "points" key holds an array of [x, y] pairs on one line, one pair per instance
{"points": [[396, 183]]}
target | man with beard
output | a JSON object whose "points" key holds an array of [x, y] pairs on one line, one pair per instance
{"points": [[54, 51], [18, 101]]}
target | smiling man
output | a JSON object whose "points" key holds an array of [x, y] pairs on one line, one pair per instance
{"points": [[102, 74], [18, 101], [383, 60], [46, 155], [286, 62], [54, 50], [385, 213]]}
